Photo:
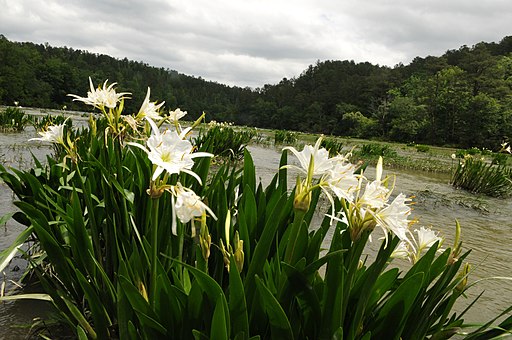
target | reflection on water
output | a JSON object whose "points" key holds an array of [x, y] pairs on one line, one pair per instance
{"points": [[486, 222], [486, 227]]}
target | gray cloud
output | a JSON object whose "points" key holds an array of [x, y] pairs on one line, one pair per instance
{"points": [[254, 42]]}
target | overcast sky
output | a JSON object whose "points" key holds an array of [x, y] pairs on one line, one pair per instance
{"points": [[257, 42]]}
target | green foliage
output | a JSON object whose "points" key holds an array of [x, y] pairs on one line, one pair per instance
{"points": [[357, 125], [422, 148], [376, 149], [223, 140], [42, 123], [473, 151], [13, 119], [285, 137], [477, 176], [499, 158], [407, 120], [333, 145]]}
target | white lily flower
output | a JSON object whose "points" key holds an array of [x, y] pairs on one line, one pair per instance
{"points": [[175, 115], [402, 251], [188, 205], [150, 109], [169, 151], [53, 134], [101, 97], [375, 194], [340, 178], [426, 238], [320, 157], [394, 218]]}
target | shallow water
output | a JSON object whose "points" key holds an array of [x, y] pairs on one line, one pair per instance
{"points": [[486, 223], [16, 317], [17, 152]]}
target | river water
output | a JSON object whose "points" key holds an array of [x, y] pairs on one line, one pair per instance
{"points": [[486, 229]]}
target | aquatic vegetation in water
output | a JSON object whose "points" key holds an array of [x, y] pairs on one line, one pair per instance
{"points": [[13, 119], [139, 237], [285, 137], [222, 139], [478, 176], [333, 145], [376, 149], [422, 148], [42, 123]]}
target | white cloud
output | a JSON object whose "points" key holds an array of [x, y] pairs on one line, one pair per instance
{"points": [[254, 42]]}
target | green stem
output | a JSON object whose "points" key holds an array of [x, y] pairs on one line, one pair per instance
{"points": [[154, 247], [181, 238], [354, 254], [293, 239]]}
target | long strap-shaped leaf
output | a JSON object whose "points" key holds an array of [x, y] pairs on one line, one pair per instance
{"points": [[279, 323]]}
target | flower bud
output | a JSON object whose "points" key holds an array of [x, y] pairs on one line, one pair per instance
{"points": [[463, 277], [142, 290], [225, 253], [205, 242], [302, 197], [239, 252]]}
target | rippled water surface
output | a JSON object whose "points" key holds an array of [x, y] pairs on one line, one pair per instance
{"points": [[486, 222]]}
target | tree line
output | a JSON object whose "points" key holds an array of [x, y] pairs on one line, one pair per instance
{"points": [[462, 98]]}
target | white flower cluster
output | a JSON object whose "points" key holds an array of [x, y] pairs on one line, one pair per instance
{"points": [[53, 134], [366, 203], [102, 97], [169, 151]]}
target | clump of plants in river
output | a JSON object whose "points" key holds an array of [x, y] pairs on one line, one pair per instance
{"points": [[141, 240], [376, 150], [478, 176], [422, 148], [285, 137], [333, 145], [223, 140], [42, 123], [13, 119]]}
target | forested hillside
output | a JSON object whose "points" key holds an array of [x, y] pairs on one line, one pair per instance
{"points": [[462, 98]]}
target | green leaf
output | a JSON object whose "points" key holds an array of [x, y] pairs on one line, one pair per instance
{"points": [[250, 209], [249, 178], [7, 254], [200, 335], [283, 172], [396, 309], [383, 284], [279, 323], [212, 290], [265, 242], [81, 333], [81, 243], [98, 311], [30, 296], [6, 217], [79, 317], [141, 306], [219, 323], [237, 303]]}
